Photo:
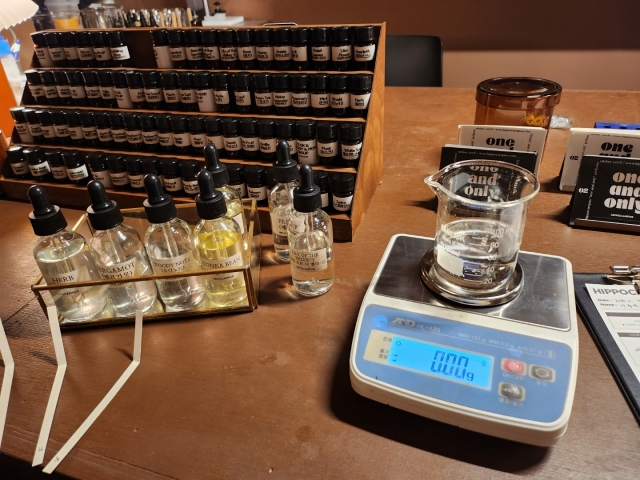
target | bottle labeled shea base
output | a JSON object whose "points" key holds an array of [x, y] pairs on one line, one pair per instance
{"points": [[118, 253], [342, 189], [310, 239], [169, 245], [218, 243], [62, 257], [285, 173]]}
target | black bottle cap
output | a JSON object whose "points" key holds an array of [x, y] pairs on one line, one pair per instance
{"points": [[72, 158], [14, 154], [133, 165], [90, 77], [33, 77], [340, 35], [66, 39], [44, 117], [46, 219], [264, 36], [339, 83], [150, 165], [202, 79], [97, 38], [104, 78], [71, 118], [306, 197], [262, 81], [169, 80], [321, 179], [225, 37], [242, 80], [163, 121], [185, 80], [115, 38], [361, 82], [178, 123], [170, 167], [245, 36], [116, 163], [210, 203], [147, 121], [343, 182], [281, 81], [255, 175], [97, 162], [159, 206], [160, 36], [300, 36], [150, 79], [30, 115], [190, 168], [249, 127], [81, 38], [118, 78], [33, 155], [86, 118], [327, 130], [192, 37], [218, 170], [176, 37], [221, 80], [60, 77], [299, 82], [209, 37], [54, 158], [213, 126], [115, 120], [320, 35], [196, 124], [351, 132], [236, 173], [17, 113], [134, 79], [75, 77], [286, 128], [306, 129], [38, 38], [47, 77], [103, 213], [131, 121], [282, 36], [51, 39], [365, 34], [285, 169], [266, 128], [320, 82], [230, 126]]}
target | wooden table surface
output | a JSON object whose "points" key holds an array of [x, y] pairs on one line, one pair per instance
{"points": [[267, 394]]}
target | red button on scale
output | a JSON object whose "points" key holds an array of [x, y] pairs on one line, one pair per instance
{"points": [[514, 366]]}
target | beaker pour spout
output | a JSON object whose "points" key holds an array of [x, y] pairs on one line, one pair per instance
{"points": [[432, 181]]}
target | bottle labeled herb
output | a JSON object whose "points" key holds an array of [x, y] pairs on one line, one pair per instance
{"points": [[320, 93], [153, 90], [351, 143], [118, 171], [341, 53], [364, 50], [56, 163], [320, 48], [118, 131], [264, 48], [119, 50], [286, 130], [232, 139], [19, 164], [89, 128], [92, 88], [190, 169], [246, 48], [134, 131], [136, 90], [285, 173], [188, 96], [204, 91], [250, 141], [300, 48], [360, 93], [306, 143], [99, 169], [342, 188], [267, 138], [197, 134], [77, 170], [150, 136], [256, 183], [160, 38], [213, 128], [282, 48], [195, 54], [210, 48], [236, 179], [107, 89], [263, 92], [36, 88], [41, 50], [76, 87], [85, 50], [300, 96], [328, 148], [171, 90], [22, 127], [170, 168], [228, 50], [121, 89], [176, 48], [101, 50], [165, 132], [222, 91], [135, 173], [242, 91], [340, 98], [181, 136], [282, 93]]}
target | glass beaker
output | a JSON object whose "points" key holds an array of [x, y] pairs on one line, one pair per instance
{"points": [[482, 207]]}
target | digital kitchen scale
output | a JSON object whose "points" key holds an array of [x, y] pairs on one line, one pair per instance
{"points": [[508, 370]]}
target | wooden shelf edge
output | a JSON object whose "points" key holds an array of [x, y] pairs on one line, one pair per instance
{"points": [[213, 70], [227, 27]]}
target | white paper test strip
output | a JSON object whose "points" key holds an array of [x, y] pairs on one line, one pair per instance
{"points": [[137, 346], [6, 380], [58, 347]]}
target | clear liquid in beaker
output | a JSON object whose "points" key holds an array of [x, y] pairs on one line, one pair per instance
{"points": [[476, 253]]}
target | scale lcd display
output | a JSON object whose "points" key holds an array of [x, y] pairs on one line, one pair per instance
{"points": [[443, 362]]}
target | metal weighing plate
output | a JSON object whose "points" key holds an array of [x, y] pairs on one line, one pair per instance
{"points": [[544, 300]]}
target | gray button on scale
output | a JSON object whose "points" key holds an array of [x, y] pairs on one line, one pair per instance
{"points": [[509, 390]]}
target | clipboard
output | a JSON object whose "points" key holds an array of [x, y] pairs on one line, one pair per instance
{"points": [[624, 376]]}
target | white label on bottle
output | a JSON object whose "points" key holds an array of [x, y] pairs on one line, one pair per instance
{"points": [[90, 133], [364, 53], [300, 100], [247, 53], [123, 97], [57, 53], [92, 91], [206, 100], [163, 57], [35, 129], [216, 140], [328, 149], [51, 91], [351, 152], [191, 187], [78, 173], [188, 96], [228, 54], [268, 145], [241, 189], [23, 129], [136, 181], [37, 91], [43, 57], [120, 53], [86, 54], [77, 92], [40, 169], [126, 269], [195, 53], [211, 53], [342, 204], [150, 138], [324, 198], [232, 261], [198, 140], [59, 173], [119, 135], [61, 130], [292, 147], [181, 263], [108, 93], [257, 193], [360, 102], [171, 96], [299, 53], [48, 131], [165, 139], [119, 179], [153, 95], [341, 53], [20, 168], [307, 152], [320, 54], [282, 52], [102, 53], [76, 133], [134, 136], [232, 144], [103, 177], [319, 100], [71, 53], [279, 224], [73, 276], [136, 94], [221, 97], [264, 99], [282, 99], [243, 98], [250, 144], [173, 184], [309, 260], [178, 54], [239, 218], [340, 100], [181, 139], [264, 54], [64, 91]]}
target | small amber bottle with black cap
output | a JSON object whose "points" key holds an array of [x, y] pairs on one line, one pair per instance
{"points": [[190, 170], [267, 138], [339, 98], [246, 48], [300, 48], [188, 96], [204, 91], [360, 93], [232, 139], [77, 170], [136, 90], [300, 96], [328, 147], [107, 89], [249, 135], [320, 93], [103, 129], [76, 88], [56, 50], [237, 181], [85, 50], [364, 50], [150, 136], [222, 91], [38, 165], [118, 131], [19, 164], [213, 129], [256, 183], [321, 179], [62, 84], [50, 87], [282, 93], [228, 50], [282, 48], [341, 51], [101, 50], [36, 87], [119, 50], [33, 125], [263, 92], [123, 97], [242, 91], [170, 168], [171, 90], [134, 131], [118, 172], [320, 48], [152, 88], [65, 39], [342, 189], [92, 88], [264, 48], [286, 130], [41, 50], [74, 127], [160, 38], [306, 142], [135, 173], [193, 46], [151, 165], [56, 164], [22, 127], [351, 143], [99, 168], [46, 125], [210, 48], [61, 127], [89, 128], [181, 136], [197, 134], [177, 49]]}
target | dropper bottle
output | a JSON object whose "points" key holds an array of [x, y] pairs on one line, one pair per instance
{"points": [[118, 252], [218, 244], [310, 239], [169, 245], [63, 256], [285, 173]]}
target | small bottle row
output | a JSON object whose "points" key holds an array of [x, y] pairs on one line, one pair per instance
{"points": [[265, 93], [311, 142]]}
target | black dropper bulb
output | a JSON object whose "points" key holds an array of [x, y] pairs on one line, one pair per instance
{"points": [[103, 213], [46, 218], [284, 168], [306, 197], [210, 203], [159, 207], [212, 164]]}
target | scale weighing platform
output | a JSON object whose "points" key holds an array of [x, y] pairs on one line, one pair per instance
{"points": [[508, 370]]}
